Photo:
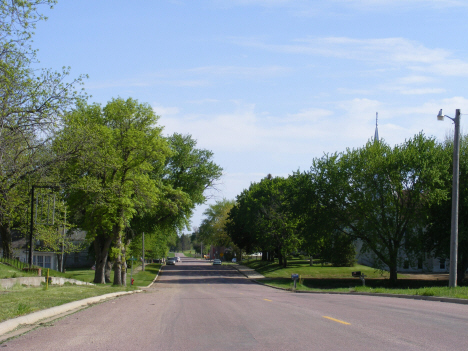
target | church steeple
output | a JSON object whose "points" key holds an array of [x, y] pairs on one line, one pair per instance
{"points": [[376, 135]]}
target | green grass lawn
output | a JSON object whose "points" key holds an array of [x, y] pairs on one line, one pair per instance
{"points": [[21, 300], [302, 267], [142, 278], [338, 279], [189, 253], [11, 272], [411, 287]]}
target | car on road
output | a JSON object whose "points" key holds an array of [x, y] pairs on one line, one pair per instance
{"points": [[171, 261], [216, 261], [234, 260], [177, 258]]}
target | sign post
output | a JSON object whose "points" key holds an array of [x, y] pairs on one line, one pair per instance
{"points": [[295, 277], [358, 274]]}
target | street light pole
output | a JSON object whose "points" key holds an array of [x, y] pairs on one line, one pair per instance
{"points": [[455, 198]]}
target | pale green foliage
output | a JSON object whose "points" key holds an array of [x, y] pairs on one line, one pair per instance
{"points": [[32, 105], [112, 177], [212, 230]]}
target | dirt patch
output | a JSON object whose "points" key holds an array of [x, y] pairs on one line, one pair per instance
{"points": [[423, 276]]}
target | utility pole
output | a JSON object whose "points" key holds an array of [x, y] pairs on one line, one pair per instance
{"points": [[63, 238], [455, 194], [143, 253]]}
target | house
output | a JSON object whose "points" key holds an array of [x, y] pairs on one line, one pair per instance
{"points": [[48, 259]]}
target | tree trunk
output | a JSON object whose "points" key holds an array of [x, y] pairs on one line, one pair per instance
{"points": [[311, 263], [393, 269], [101, 249], [285, 261], [124, 273], [124, 263], [108, 270], [59, 262], [461, 269], [118, 258], [6, 240], [280, 258]]}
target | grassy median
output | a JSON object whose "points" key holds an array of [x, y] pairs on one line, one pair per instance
{"points": [[21, 300]]}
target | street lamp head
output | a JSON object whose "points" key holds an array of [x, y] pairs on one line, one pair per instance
{"points": [[440, 116]]}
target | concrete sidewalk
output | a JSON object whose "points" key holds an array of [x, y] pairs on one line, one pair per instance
{"points": [[31, 320], [248, 272]]}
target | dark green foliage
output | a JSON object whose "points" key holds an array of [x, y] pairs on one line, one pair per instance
{"points": [[339, 250], [437, 238]]}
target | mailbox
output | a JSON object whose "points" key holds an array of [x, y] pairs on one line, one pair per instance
{"points": [[294, 276], [357, 274]]}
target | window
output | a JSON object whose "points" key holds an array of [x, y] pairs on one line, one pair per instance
{"points": [[76, 258], [40, 261], [47, 260], [442, 263], [420, 263], [406, 264]]}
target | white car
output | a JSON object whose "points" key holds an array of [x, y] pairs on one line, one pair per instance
{"points": [[216, 261], [234, 260], [177, 258]]}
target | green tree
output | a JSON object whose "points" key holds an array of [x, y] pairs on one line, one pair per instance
{"points": [[111, 179], [183, 180], [263, 218], [32, 105], [212, 230], [379, 194]]}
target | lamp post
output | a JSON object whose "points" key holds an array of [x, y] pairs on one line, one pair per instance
{"points": [[455, 187]]}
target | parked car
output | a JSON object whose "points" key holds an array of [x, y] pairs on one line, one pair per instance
{"points": [[171, 261], [177, 258], [216, 261], [234, 260]]}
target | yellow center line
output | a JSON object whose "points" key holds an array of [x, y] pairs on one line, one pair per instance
{"points": [[336, 320], [268, 300]]}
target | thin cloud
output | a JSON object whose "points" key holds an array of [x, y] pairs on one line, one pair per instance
{"points": [[396, 52], [266, 71]]}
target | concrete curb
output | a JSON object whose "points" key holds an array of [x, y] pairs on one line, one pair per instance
{"points": [[32, 318], [400, 296], [245, 272], [154, 280]]}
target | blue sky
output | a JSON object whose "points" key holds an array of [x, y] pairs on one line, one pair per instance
{"points": [[268, 85]]}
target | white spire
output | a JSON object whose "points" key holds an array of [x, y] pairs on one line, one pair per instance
{"points": [[376, 135]]}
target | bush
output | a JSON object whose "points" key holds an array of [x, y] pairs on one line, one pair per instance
{"points": [[339, 250]]}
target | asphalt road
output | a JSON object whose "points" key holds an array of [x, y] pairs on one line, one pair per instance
{"points": [[197, 306]]}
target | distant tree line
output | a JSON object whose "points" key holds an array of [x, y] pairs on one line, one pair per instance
{"points": [[393, 202]]}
